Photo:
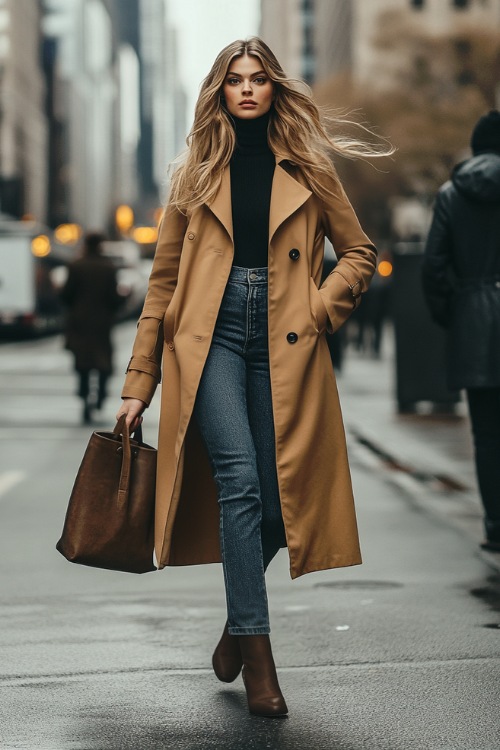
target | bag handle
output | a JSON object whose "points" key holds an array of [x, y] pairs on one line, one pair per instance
{"points": [[136, 434], [121, 428]]}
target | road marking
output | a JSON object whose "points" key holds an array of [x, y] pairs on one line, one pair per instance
{"points": [[9, 479]]}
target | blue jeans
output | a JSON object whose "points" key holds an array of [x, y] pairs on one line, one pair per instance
{"points": [[235, 416]]}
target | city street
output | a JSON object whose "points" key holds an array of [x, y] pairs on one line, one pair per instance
{"points": [[401, 653]]}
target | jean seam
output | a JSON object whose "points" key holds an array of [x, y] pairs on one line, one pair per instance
{"points": [[247, 321], [224, 570]]}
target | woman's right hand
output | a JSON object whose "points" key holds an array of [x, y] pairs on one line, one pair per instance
{"points": [[133, 408]]}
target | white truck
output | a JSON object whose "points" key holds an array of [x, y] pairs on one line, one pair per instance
{"points": [[29, 265]]}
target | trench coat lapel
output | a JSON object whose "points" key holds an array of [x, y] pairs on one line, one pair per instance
{"points": [[221, 204], [287, 196]]}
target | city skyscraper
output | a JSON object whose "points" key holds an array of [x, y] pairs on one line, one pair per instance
{"points": [[23, 122]]}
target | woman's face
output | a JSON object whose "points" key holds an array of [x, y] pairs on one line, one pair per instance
{"points": [[247, 89]]}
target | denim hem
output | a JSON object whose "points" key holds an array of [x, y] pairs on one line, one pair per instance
{"points": [[249, 631]]}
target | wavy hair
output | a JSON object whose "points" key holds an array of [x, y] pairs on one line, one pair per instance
{"points": [[297, 131]]}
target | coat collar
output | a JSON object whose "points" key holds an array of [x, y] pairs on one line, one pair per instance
{"points": [[287, 195]]}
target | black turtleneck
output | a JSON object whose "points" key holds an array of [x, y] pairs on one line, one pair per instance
{"points": [[252, 169]]}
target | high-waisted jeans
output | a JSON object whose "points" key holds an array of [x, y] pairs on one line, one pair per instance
{"points": [[235, 416]]}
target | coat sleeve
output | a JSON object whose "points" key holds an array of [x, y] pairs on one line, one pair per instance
{"points": [[357, 260], [436, 268], [144, 368]]}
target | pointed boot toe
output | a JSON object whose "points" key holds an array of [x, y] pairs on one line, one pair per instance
{"points": [[264, 694], [226, 659], [271, 705]]}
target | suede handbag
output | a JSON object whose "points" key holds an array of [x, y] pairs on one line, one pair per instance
{"points": [[110, 518]]}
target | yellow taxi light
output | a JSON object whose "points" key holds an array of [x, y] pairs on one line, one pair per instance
{"points": [[124, 218], [40, 246], [145, 235], [68, 234]]}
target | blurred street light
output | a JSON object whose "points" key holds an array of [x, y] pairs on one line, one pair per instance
{"points": [[68, 234], [145, 235], [124, 219], [384, 268], [40, 246]]}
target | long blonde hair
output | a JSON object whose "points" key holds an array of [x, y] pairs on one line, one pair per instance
{"points": [[297, 131]]}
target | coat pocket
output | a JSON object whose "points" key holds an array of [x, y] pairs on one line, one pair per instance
{"points": [[319, 312]]}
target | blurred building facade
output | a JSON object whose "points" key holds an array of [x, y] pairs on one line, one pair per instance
{"points": [[114, 79], [163, 101], [345, 38], [287, 26], [23, 121], [91, 108], [316, 39], [91, 74]]}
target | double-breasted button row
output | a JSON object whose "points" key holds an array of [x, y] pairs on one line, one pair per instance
{"points": [[293, 337]]}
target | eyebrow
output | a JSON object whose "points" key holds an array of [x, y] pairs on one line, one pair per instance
{"points": [[258, 73]]}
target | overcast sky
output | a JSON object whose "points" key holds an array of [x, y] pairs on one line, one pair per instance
{"points": [[204, 28]]}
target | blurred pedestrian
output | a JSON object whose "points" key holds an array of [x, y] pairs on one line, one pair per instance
{"points": [[91, 296], [250, 420], [461, 276], [372, 316]]}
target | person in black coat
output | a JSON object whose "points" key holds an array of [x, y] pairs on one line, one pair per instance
{"points": [[91, 295], [461, 279]]}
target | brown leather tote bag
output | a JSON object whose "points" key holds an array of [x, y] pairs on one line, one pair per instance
{"points": [[110, 518]]}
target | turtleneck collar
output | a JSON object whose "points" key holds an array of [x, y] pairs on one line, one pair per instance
{"points": [[251, 135]]}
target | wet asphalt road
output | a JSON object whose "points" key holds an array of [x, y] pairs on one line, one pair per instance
{"points": [[400, 653]]}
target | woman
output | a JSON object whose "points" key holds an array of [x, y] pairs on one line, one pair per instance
{"points": [[250, 417], [92, 298]]}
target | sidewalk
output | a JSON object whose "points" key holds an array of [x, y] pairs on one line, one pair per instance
{"points": [[400, 653], [429, 457]]}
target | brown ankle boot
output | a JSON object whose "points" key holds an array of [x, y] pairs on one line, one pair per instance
{"points": [[259, 675], [226, 659]]}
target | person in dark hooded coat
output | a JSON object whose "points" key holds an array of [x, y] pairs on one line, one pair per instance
{"points": [[92, 298], [461, 279]]}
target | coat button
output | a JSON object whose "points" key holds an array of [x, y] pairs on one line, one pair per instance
{"points": [[170, 345], [191, 235], [292, 337], [294, 254]]}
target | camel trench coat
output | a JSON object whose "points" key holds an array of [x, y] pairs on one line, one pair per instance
{"points": [[192, 263]]}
